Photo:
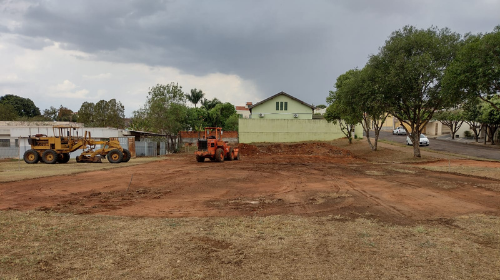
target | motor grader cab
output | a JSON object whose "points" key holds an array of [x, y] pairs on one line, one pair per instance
{"points": [[66, 139], [213, 147]]}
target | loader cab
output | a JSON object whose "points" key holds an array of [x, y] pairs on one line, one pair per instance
{"points": [[210, 139]]}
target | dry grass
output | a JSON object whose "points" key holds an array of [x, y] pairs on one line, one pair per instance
{"points": [[38, 245], [15, 170], [388, 152], [487, 172]]}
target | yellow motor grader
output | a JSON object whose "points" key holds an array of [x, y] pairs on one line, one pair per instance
{"points": [[52, 149]]}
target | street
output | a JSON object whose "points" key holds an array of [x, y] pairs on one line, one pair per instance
{"points": [[450, 146]]}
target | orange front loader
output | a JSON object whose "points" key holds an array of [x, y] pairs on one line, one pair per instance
{"points": [[211, 146]]}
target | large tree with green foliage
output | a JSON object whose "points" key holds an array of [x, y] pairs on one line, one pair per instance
{"points": [[413, 62], [24, 106], [342, 109], [165, 110], [102, 114], [476, 68], [7, 112]]}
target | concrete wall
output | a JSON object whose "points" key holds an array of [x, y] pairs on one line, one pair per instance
{"points": [[274, 130], [294, 107]]}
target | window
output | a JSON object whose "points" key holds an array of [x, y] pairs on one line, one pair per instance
{"points": [[286, 106], [277, 106], [17, 143], [281, 106], [5, 143]]}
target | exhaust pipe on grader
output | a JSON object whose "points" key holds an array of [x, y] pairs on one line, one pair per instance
{"points": [[57, 148]]}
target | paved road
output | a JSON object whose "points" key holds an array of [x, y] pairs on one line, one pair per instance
{"points": [[451, 146]]}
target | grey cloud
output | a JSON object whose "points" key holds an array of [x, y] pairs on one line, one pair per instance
{"points": [[296, 46]]}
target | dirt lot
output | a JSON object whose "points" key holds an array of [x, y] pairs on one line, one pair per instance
{"points": [[301, 179], [299, 211]]}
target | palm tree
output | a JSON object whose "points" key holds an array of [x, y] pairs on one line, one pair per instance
{"points": [[195, 96]]}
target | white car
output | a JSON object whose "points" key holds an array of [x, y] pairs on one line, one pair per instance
{"points": [[399, 131], [423, 140]]}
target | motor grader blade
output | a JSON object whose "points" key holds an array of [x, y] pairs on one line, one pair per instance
{"points": [[85, 159]]}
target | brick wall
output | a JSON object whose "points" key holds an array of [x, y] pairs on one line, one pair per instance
{"points": [[192, 136]]}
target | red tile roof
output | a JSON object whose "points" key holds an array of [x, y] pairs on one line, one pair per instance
{"points": [[241, 108]]}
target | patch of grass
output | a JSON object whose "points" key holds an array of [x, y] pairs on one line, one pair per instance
{"points": [[19, 170], [39, 245], [486, 172]]}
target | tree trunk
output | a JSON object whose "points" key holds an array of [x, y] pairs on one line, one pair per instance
{"points": [[366, 129], [377, 132], [415, 138]]}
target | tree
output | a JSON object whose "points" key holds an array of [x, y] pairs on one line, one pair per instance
{"points": [[490, 117], [232, 123], [86, 113], [364, 91], [195, 96], [209, 104], [51, 113], [164, 112], [102, 114], [472, 114], [196, 119], [476, 69], [23, 106], [7, 112], [452, 118], [341, 109], [321, 106], [335, 114], [413, 62], [218, 115]]}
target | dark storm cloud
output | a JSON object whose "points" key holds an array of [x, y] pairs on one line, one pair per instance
{"points": [[296, 46]]}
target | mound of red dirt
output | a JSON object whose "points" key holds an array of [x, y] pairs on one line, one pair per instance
{"points": [[315, 149]]}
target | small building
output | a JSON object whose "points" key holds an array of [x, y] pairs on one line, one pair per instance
{"points": [[281, 106], [244, 111]]}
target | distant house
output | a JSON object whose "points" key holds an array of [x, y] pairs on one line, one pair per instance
{"points": [[243, 111], [281, 106]]}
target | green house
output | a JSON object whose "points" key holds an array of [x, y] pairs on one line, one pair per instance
{"points": [[281, 106]]}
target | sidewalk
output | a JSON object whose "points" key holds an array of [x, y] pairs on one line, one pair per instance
{"points": [[463, 140]]}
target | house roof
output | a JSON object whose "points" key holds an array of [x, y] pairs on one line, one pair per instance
{"points": [[278, 94], [241, 108]]}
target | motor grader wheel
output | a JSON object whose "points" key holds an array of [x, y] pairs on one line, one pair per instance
{"points": [[219, 155], [115, 156], [63, 158], [31, 157], [49, 156], [126, 155]]}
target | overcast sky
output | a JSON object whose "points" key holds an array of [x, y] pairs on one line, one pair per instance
{"points": [[68, 52]]}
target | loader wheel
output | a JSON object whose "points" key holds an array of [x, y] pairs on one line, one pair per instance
{"points": [[31, 156], [219, 155], [115, 156], [63, 158], [230, 154], [200, 159], [237, 156], [126, 155], [49, 156]]}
